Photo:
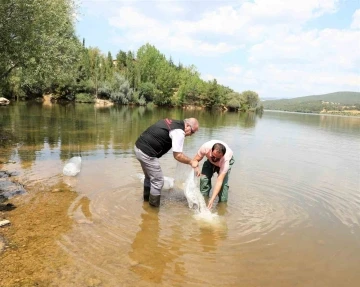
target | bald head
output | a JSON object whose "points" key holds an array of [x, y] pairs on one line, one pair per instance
{"points": [[193, 123]]}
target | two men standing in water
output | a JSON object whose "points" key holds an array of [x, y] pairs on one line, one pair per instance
{"points": [[165, 134]]}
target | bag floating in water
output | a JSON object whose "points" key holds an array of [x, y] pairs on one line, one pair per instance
{"points": [[73, 166], [168, 181]]}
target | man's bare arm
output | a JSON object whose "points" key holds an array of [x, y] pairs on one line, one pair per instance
{"points": [[198, 159], [179, 156], [217, 188]]}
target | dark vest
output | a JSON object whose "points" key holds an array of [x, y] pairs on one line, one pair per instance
{"points": [[155, 140]]}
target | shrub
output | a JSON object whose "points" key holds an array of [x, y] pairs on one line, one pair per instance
{"points": [[84, 98]]}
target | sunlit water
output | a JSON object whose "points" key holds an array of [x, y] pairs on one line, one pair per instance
{"points": [[292, 218]]}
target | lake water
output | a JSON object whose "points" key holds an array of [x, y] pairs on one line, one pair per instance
{"points": [[292, 218]]}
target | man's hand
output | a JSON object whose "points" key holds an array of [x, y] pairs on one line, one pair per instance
{"points": [[217, 188], [197, 171], [210, 203], [194, 163]]}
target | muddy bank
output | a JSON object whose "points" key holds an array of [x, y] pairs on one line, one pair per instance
{"points": [[30, 254]]}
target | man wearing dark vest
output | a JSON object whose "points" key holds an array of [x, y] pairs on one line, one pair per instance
{"points": [[156, 141]]}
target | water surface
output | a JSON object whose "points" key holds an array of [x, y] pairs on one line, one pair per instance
{"points": [[294, 202]]}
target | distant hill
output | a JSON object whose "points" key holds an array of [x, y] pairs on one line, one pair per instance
{"points": [[339, 101]]}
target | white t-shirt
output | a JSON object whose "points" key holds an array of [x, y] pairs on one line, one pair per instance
{"points": [[177, 136], [205, 150]]}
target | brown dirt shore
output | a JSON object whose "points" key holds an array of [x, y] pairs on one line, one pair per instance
{"points": [[30, 255]]}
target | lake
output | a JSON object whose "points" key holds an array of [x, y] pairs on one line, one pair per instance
{"points": [[292, 218]]}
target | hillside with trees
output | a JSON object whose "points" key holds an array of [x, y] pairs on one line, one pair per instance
{"points": [[346, 103], [42, 55]]}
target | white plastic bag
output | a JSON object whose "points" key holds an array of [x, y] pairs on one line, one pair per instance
{"points": [[168, 181], [73, 166], [192, 192]]}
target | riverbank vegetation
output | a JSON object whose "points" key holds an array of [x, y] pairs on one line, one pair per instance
{"points": [[42, 55]]}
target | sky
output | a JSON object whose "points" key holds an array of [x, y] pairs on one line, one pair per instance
{"points": [[277, 48]]}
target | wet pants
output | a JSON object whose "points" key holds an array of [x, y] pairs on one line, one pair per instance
{"points": [[153, 174], [207, 172]]}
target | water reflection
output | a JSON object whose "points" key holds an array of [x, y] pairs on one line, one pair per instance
{"points": [[210, 236], [151, 256], [222, 208], [149, 260], [330, 123], [83, 203], [77, 128]]}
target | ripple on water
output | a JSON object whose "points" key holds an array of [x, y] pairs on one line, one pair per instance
{"points": [[278, 202], [104, 230], [118, 234]]}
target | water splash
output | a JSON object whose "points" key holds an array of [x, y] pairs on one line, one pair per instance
{"points": [[196, 200], [193, 196]]}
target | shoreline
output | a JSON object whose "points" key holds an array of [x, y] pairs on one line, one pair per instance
{"points": [[313, 113]]}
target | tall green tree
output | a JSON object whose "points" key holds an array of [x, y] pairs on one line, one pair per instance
{"points": [[149, 59], [147, 90], [109, 67], [38, 39], [95, 57], [84, 66], [166, 83], [120, 61], [132, 71], [212, 96], [190, 86], [250, 99]]}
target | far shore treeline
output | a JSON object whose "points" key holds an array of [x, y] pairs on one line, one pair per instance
{"points": [[41, 55], [338, 103]]}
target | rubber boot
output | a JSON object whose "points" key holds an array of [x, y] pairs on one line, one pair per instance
{"points": [[154, 200], [146, 193]]}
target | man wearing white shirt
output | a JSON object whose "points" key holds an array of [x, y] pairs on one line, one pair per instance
{"points": [[156, 141], [219, 159]]}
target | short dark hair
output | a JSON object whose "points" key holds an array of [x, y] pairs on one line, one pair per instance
{"points": [[219, 147]]}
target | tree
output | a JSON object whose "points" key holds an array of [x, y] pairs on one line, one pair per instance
{"points": [[233, 101], [121, 60], [149, 59], [190, 86], [250, 99], [212, 97], [84, 66], [166, 83], [37, 38], [95, 60], [171, 63], [132, 71], [119, 90], [147, 91]]}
